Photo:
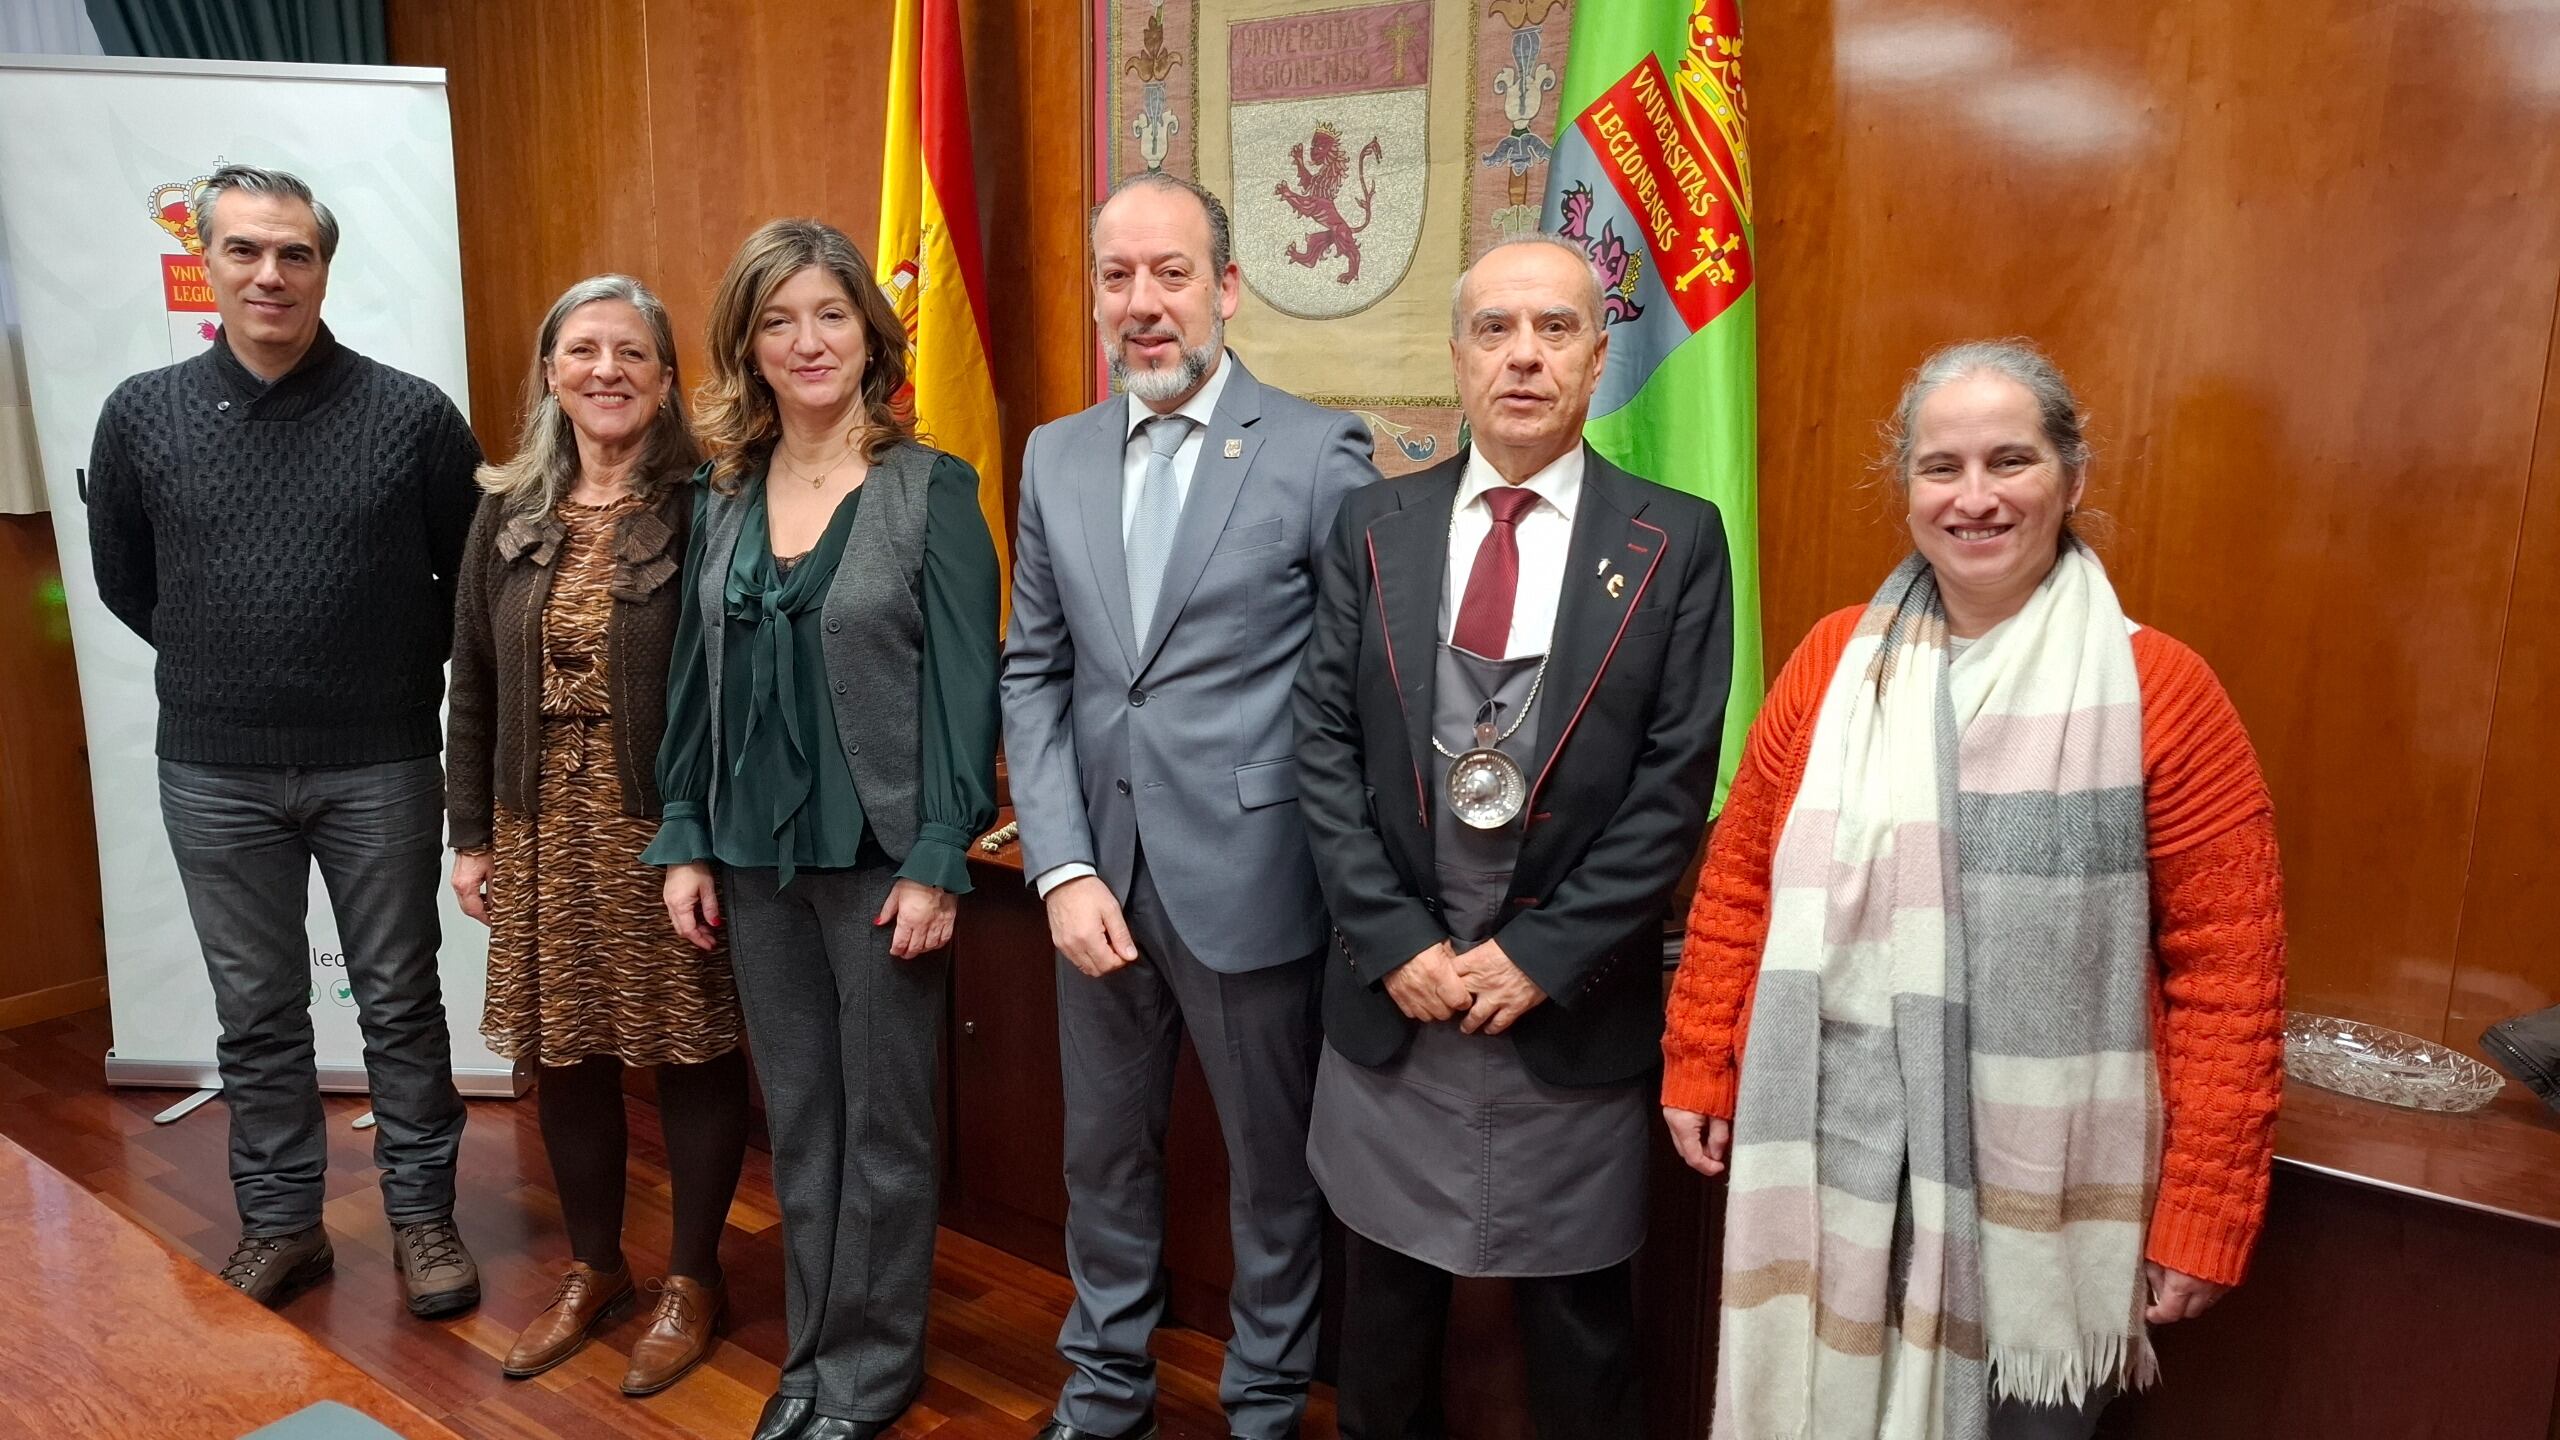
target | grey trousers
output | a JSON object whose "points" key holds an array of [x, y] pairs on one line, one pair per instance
{"points": [[1118, 1039], [245, 838], [845, 1039]]}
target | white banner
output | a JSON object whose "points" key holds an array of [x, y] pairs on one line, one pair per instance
{"points": [[96, 160]]}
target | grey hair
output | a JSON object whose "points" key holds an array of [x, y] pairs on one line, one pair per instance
{"points": [[1591, 307], [251, 180], [2057, 409], [1222, 246], [545, 467]]}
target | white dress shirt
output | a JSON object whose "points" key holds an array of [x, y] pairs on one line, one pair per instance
{"points": [[1134, 454], [1544, 533], [1135, 451]]}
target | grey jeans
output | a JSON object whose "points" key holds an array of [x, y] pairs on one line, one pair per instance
{"points": [[245, 838]]}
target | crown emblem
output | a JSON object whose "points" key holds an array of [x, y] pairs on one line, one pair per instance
{"points": [[173, 210]]}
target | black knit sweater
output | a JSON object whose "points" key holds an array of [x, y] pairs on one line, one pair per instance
{"points": [[289, 548]]}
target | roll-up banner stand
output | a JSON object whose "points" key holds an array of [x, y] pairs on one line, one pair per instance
{"points": [[98, 160]]}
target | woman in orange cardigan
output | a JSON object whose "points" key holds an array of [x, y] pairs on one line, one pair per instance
{"points": [[1996, 914]]}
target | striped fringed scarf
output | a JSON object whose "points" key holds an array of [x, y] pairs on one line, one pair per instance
{"points": [[1948, 1125]]}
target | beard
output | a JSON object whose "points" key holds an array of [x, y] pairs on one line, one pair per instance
{"points": [[1175, 380]]}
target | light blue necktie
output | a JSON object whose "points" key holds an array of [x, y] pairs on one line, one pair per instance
{"points": [[1159, 510]]}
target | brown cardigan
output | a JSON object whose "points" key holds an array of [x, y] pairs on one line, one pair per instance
{"points": [[493, 745]]}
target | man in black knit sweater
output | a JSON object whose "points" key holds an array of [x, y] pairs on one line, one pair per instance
{"points": [[283, 519]]}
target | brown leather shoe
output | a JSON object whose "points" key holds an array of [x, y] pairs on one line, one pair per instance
{"points": [[272, 1269], [679, 1334], [437, 1275], [586, 1299]]}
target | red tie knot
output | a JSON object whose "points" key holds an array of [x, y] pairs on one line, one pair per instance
{"points": [[1509, 502]]}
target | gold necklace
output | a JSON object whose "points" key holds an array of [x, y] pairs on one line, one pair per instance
{"points": [[819, 479]]}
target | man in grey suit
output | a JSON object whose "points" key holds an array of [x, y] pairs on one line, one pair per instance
{"points": [[1163, 584]]}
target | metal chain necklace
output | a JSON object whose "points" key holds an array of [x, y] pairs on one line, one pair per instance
{"points": [[819, 479], [1484, 729], [1486, 787]]}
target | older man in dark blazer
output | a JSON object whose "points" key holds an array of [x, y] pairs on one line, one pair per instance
{"points": [[1508, 723]]}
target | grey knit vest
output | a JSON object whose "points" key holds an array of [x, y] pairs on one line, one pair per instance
{"points": [[875, 636]]}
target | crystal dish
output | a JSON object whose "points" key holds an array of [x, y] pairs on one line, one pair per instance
{"points": [[2372, 1063]]}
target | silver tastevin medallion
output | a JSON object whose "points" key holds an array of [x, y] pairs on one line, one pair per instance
{"points": [[1486, 787]]}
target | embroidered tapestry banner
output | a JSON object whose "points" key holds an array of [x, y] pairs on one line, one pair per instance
{"points": [[1367, 153]]}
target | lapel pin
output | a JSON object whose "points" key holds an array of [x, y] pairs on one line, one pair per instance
{"points": [[1617, 586], [1603, 570], [1235, 449]]}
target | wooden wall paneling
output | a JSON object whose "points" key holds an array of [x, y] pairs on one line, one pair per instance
{"points": [[552, 167], [2367, 241], [53, 957], [1814, 439], [653, 138], [760, 109], [1905, 201], [2299, 260], [2508, 958]]}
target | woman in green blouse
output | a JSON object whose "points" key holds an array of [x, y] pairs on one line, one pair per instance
{"points": [[830, 754]]}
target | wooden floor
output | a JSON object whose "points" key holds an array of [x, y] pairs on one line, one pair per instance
{"points": [[218, 1363], [991, 1366]]}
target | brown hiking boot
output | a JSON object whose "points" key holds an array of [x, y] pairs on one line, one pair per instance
{"points": [[272, 1269], [679, 1335], [435, 1271], [586, 1299]]}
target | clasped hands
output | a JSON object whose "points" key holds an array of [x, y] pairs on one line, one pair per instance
{"points": [[1481, 988]]}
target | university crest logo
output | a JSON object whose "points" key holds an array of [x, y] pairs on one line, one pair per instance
{"points": [[1329, 113], [185, 291]]}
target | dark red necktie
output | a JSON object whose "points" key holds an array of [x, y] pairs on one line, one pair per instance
{"points": [[1484, 616]]}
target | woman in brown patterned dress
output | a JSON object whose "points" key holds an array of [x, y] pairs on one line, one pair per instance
{"points": [[568, 606]]}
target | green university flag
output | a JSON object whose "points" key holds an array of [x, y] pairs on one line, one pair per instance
{"points": [[1652, 176]]}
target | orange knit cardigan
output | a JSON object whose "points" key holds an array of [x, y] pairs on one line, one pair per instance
{"points": [[2217, 933]]}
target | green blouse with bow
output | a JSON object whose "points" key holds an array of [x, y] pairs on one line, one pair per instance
{"points": [[787, 801]]}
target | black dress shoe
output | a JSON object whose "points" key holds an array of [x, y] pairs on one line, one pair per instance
{"points": [[836, 1427], [1145, 1429], [2528, 1048], [784, 1417]]}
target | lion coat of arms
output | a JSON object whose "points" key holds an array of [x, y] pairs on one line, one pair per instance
{"points": [[1329, 123], [1318, 197]]}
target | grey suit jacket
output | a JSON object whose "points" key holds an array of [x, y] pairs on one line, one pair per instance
{"points": [[1180, 740]]}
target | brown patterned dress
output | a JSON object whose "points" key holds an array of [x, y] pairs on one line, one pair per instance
{"points": [[582, 961]]}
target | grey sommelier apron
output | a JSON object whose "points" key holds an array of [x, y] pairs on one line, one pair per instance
{"points": [[1453, 1153]]}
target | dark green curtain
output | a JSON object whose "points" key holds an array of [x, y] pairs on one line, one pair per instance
{"points": [[312, 32]]}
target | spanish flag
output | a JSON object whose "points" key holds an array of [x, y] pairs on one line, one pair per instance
{"points": [[929, 254]]}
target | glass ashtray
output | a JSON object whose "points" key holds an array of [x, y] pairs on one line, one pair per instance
{"points": [[2372, 1063]]}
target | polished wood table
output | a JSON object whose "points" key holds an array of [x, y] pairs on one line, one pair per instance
{"points": [[106, 1332]]}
